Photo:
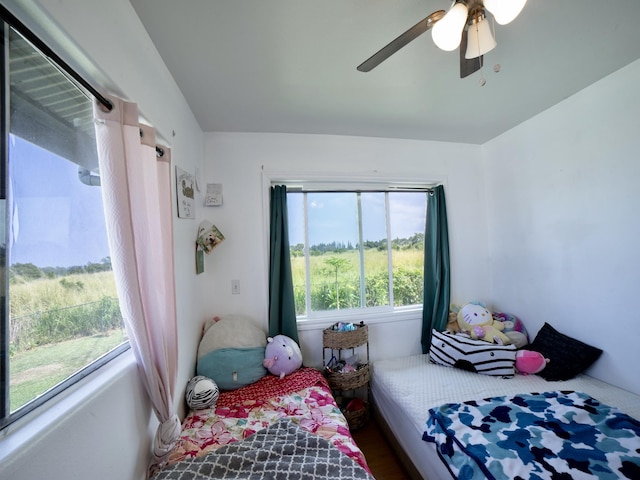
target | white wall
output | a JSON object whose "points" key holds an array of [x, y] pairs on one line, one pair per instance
{"points": [[563, 195], [108, 436], [237, 161]]}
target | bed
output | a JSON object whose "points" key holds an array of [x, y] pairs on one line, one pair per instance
{"points": [[418, 399], [272, 428]]}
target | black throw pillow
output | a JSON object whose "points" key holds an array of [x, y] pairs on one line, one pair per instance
{"points": [[568, 356]]}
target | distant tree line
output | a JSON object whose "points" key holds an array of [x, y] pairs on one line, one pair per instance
{"points": [[415, 241], [29, 271]]}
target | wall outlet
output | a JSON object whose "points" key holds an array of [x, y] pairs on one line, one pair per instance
{"points": [[235, 287]]}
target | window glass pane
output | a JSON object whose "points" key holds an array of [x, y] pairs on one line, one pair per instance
{"points": [[334, 261], [63, 308], [295, 216], [374, 240], [407, 218], [349, 257]]}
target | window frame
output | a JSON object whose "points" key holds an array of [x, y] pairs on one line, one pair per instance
{"points": [[9, 21], [347, 182]]}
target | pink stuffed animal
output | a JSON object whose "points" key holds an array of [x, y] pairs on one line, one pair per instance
{"points": [[530, 362], [282, 355]]}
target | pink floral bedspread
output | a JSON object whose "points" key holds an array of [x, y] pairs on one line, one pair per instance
{"points": [[304, 397]]}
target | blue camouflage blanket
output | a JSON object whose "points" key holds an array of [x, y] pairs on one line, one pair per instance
{"points": [[551, 435]]}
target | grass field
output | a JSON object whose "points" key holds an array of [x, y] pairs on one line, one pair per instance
{"points": [[35, 371], [58, 326], [335, 278], [43, 294]]}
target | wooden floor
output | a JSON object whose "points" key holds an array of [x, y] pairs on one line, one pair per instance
{"points": [[382, 460]]}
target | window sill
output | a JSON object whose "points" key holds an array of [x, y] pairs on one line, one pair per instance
{"points": [[17, 436], [370, 318]]}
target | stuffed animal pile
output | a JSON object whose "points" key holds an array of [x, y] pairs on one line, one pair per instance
{"points": [[475, 321]]}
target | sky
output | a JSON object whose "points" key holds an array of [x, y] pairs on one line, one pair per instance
{"points": [[58, 221], [333, 217]]}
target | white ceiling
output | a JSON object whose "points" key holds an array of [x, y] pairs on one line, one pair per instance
{"points": [[290, 65]]}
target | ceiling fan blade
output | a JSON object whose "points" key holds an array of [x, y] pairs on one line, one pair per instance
{"points": [[395, 45], [468, 65]]}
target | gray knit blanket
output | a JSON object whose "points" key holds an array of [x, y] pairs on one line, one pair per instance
{"points": [[282, 451]]}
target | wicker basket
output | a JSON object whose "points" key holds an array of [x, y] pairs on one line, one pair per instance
{"points": [[359, 418], [337, 339], [349, 380]]}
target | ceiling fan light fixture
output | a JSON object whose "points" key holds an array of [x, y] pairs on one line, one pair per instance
{"points": [[504, 11], [479, 38], [447, 32]]}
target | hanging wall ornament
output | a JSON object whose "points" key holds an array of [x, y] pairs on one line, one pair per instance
{"points": [[209, 237]]}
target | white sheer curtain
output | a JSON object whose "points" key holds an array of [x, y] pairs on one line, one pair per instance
{"points": [[136, 189]]}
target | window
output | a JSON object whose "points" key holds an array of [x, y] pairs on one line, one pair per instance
{"points": [[60, 317], [356, 250]]}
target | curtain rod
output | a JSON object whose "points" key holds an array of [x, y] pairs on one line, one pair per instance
{"points": [[23, 30], [359, 190], [49, 53]]}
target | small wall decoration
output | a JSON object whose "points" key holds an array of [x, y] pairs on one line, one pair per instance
{"points": [[199, 261], [214, 195], [185, 184], [209, 237]]}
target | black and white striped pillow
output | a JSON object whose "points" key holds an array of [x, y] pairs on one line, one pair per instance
{"points": [[472, 355]]}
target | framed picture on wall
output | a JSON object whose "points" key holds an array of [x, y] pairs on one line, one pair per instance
{"points": [[185, 186]]}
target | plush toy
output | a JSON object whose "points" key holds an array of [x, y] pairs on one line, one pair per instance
{"points": [[282, 355], [478, 322], [513, 328], [452, 321], [530, 362], [201, 392]]}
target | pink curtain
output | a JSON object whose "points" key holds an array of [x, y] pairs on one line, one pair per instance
{"points": [[136, 189]]}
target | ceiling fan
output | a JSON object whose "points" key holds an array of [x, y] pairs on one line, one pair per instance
{"points": [[464, 25]]}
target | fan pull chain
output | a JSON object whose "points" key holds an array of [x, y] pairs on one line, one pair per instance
{"points": [[482, 80], [496, 67]]}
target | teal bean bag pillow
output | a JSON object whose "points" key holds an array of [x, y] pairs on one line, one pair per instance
{"points": [[231, 352]]}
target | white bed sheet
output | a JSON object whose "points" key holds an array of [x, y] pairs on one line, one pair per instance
{"points": [[404, 389]]}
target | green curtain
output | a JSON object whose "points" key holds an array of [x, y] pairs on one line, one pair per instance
{"points": [[282, 308], [437, 287]]}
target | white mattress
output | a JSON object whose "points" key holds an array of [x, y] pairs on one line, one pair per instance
{"points": [[405, 388]]}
